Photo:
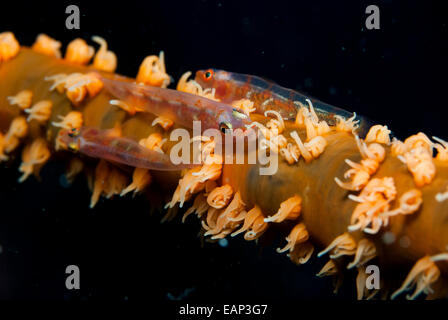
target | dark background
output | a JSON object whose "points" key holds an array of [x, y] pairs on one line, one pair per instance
{"points": [[395, 75]]}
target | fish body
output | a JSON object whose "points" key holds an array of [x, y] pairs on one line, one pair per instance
{"points": [[105, 144], [181, 107], [267, 95]]}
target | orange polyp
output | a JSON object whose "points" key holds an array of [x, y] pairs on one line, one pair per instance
{"points": [[154, 142], [125, 106], [78, 52], [152, 71], [329, 269], [18, 129], [301, 253], [420, 164], [41, 111], [419, 140], [298, 235], [310, 120], [253, 225], [93, 84], [442, 149], [46, 45], [102, 172], [34, 154], [141, 178], [72, 120], [289, 210], [199, 207], [3, 156], [303, 150], [360, 173], [347, 125], [75, 167], [365, 251], [276, 126], [104, 60], [219, 197], [22, 99], [115, 183], [341, 245], [9, 46], [77, 95], [245, 105], [227, 219], [165, 123], [291, 153], [316, 146], [379, 134]]}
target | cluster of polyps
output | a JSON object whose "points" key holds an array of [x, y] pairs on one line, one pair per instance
{"points": [[36, 153], [373, 200], [272, 138], [105, 181], [360, 173], [315, 142], [76, 85], [373, 210], [223, 212], [345, 245], [224, 208], [194, 180], [416, 152], [299, 248], [424, 273], [79, 52]]}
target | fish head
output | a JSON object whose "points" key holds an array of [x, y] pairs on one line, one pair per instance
{"points": [[215, 79], [69, 139]]}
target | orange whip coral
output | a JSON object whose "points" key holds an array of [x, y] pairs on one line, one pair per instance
{"points": [[335, 194]]}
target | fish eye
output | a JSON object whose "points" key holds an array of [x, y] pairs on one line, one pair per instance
{"points": [[208, 74], [73, 133], [224, 127]]}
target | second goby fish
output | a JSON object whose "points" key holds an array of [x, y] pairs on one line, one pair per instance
{"points": [[181, 107]]}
